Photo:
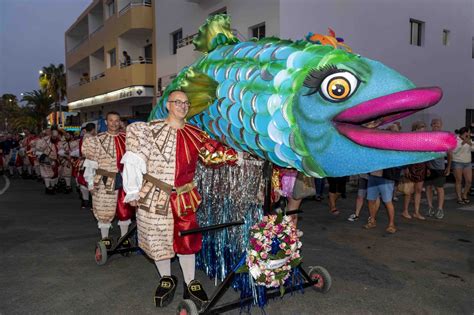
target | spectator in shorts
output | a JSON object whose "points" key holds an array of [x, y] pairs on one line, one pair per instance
{"points": [[462, 164], [381, 184], [437, 177], [361, 196], [337, 187]]}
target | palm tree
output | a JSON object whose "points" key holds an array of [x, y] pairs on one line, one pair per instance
{"points": [[39, 107], [53, 81]]}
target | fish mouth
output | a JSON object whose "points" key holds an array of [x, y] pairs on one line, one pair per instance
{"points": [[359, 123]]}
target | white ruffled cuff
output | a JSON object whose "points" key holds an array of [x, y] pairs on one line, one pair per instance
{"points": [[91, 164], [131, 197], [134, 159]]}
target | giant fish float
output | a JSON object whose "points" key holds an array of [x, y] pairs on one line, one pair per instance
{"points": [[305, 105]]}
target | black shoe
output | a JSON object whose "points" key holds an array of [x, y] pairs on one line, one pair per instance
{"points": [[67, 190], [107, 242], [83, 204], [195, 292], [165, 291], [49, 191], [127, 243]]}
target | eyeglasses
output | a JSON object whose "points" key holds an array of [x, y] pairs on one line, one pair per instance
{"points": [[181, 103]]}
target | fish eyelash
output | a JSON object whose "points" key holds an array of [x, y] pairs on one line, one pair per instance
{"points": [[316, 76]]}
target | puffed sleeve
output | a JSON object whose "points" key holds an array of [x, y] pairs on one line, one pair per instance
{"points": [[90, 148], [214, 153], [135, 159]]}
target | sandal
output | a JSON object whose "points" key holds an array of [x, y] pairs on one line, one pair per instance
{"points": [[461, 202], [391, 229], [370, 225], [419, 217], [409, 217], [466, 201], [335, 212]]}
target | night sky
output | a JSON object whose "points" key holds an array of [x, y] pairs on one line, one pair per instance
{"points": [[32, 36]]}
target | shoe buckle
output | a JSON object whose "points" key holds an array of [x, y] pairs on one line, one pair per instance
{"points": [[195, 287], [166, 284]]}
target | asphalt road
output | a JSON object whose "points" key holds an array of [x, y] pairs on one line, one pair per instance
{"points": [[48, 267]]}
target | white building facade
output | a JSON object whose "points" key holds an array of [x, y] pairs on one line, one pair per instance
{"points": [[431, 42]]}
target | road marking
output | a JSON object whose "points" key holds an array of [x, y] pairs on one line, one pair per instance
{"points": [[7, 185]]}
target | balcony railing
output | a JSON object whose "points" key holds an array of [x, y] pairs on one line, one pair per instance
{"points": [[81, 41], [185, 41], [96, 30], [98, 76], [135, 3], [137, 61]]}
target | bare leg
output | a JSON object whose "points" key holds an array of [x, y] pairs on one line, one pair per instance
{"points": [[332, 203], [294, 204], [440, 197], [467, 173], [406, 204], [418, 191], [359, 205], [458, 177], [429, 195]]}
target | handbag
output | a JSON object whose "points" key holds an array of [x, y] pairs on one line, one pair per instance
{"points": [[406, 186], [304, 187]]}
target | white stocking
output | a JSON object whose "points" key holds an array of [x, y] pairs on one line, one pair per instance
{"points": [[104, 229], [188, 265], [47, 182], [68, 181], [124, 226], [84, 193], [164, 267]]}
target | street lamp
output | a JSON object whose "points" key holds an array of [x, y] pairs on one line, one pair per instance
{"points": [[40, 72]]}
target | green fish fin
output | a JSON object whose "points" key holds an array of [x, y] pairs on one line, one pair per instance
{"points": [[200, 89], [215, 32]]}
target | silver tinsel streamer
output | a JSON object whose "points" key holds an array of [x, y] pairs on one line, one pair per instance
{"points": [[229, 193]]}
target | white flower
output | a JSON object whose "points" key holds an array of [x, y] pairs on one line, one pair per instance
{"points": [[255, 272]]}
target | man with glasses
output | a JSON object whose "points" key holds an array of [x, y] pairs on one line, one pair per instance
{"points": [[159, 168]]}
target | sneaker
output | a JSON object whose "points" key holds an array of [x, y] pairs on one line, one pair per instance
{"points": [[439, 214], [164, 293], [195, 292], [353, 217], [430, 212]]}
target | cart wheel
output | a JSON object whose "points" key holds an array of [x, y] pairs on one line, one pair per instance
{"points": [[322, 279], [187, 307], [100, 253]]}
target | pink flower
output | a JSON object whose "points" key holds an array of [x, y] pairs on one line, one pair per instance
{"points": [[264, 255], [258, 247]]}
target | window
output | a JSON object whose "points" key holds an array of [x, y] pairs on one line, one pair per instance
{"points": [[110, 8], [175, 38], [220, 11], [148, 53], [112, 58], [446, 37], [258, 31], [416, 32]]}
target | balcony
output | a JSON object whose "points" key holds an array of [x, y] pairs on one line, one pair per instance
{"points": [[112, 79], [126, 5]]}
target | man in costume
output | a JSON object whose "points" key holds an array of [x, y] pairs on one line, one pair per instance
{"points": [[68, 154], [103, 173], [47, 153], [159, 168], [78, 167], [30, 162]]}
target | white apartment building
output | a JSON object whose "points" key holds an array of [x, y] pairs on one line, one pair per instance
{"points": [[429, 41]]}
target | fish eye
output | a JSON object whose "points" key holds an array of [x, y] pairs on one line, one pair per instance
{"points": [[339, 86]]}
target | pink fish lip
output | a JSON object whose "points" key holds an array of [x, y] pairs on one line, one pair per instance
{"points": [[358, 123]]}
